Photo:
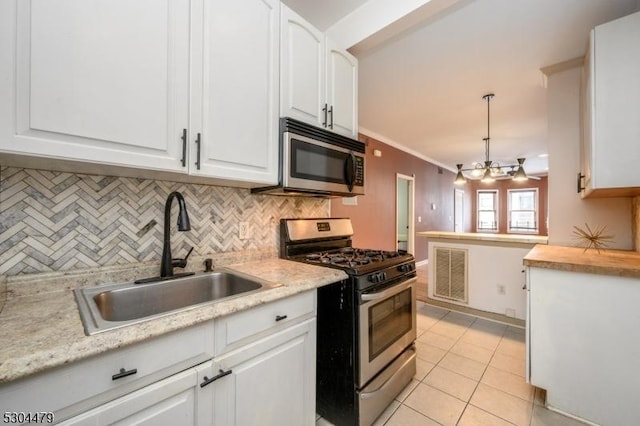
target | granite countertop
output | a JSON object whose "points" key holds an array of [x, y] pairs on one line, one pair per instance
{"points": [[621, 263], [43, 330], [487, 237]]}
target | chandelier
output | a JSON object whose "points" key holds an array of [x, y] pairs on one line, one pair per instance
{"points": [[491, 169]]}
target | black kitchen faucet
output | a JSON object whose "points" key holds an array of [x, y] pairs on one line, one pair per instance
{"points": [[168, 263]]}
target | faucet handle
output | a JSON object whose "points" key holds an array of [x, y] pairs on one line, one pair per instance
{"points": [[181, 263], [188, 253]]}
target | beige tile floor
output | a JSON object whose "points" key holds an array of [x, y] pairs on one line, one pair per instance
{"points": [[470, 371]]}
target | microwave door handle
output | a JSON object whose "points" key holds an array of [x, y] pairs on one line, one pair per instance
{"points": [[350, 171]]}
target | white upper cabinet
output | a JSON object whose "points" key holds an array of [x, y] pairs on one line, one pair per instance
{"points": [[342, 90], [611, 101], [236, 90], [302, 69], [101, 81], [319, 81], [135, 83]]}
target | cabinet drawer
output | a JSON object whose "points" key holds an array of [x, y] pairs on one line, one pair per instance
{"points": [[242, 327], [86, 384]]}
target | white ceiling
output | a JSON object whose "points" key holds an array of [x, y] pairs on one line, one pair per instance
{"points": [[423, 87]]}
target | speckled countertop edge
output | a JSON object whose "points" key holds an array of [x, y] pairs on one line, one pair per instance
{"points": [[620, 263], [477, 236], [43, 330]]}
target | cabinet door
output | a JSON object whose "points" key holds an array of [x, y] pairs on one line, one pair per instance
{"points": [[102, 81], [177, 400], [302, 70], [615, 104], [586, 154], [235, 93], [342, 90], [272, 381]]}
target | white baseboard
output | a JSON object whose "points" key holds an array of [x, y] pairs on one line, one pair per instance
{"points": [[422, 262]]}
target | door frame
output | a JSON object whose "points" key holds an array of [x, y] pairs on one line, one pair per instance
{"points": [[458, 208], [410, 211]]}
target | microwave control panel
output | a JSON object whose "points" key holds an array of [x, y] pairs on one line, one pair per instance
{"points": [[359, 178]]}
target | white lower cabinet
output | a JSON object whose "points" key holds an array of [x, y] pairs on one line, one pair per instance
{"points": [[176, 400], [270, 381], [582, 344], [260, 369]]}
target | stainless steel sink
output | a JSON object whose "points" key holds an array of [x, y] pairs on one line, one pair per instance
{"points": [[112, 306]]}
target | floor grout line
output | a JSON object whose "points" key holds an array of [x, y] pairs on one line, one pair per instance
{"points": [[458, 339]]}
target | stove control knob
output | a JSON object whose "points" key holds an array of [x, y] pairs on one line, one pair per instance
{"points": [[377, 277], [404, 268]]}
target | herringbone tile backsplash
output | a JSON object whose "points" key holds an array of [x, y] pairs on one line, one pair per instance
{"points": [[53, 221]]}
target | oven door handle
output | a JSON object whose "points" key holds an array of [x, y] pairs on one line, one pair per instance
{"points": [[366, 297]]}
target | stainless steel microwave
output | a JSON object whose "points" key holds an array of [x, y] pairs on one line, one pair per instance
{"points": [[314, 161]]}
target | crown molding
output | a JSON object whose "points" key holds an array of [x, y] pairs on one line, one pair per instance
{"points": [[387, 141]]}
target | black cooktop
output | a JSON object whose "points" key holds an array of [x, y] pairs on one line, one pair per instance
{"points": [[356, 261]]}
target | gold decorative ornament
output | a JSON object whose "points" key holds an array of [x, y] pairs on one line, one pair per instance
{"points": [[592, 238]]}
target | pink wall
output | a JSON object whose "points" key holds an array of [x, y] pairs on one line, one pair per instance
{"points": [[374, 218], [502, 186]]}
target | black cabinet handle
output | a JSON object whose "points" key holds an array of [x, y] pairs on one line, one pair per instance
{"points": [[124, 373], [324, 110], [580, 186], [198, 152], [280, 317], [331, 117], [221, 373], [184, 147]]}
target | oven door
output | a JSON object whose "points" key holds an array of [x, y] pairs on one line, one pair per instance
{"points": [[318, 166], [387, 326]]}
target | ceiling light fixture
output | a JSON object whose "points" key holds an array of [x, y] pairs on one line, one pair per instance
{"points": [[490, 169]]}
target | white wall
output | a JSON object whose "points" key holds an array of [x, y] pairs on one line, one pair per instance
{"points": [[490, 265], [566, 208]]}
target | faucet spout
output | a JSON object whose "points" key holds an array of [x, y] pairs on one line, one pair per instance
{"points": [[166, 265]]}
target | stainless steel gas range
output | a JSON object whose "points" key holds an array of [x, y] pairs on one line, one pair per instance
{"points": [[366, 324]]}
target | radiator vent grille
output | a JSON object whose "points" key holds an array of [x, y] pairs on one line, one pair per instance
{"points": [[451, 273]]}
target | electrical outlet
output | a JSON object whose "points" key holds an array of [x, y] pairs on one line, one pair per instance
{"points": [[501, 289], [243, 230]]}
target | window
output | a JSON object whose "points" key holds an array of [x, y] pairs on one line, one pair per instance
{"points": [[523, 210], [487, 210]]}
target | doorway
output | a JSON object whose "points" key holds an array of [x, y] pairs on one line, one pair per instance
{"points": [[405, 198], [458, 210]]}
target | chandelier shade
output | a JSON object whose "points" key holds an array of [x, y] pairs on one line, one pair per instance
{"points": [[489, 170]]}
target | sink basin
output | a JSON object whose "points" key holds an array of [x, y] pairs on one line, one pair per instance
{"points": [[112, 306]]}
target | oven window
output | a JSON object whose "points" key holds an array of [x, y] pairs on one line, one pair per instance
{"points": [[389, 320], [315, 162]]}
